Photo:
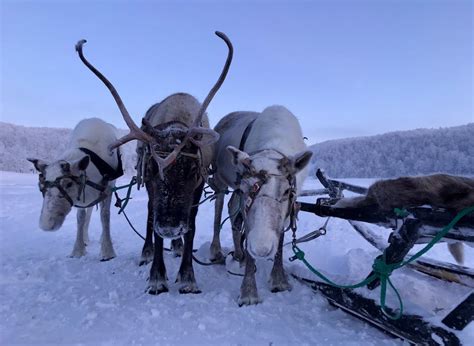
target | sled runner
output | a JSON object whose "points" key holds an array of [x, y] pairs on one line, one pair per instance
{"points": [[411, 328]]}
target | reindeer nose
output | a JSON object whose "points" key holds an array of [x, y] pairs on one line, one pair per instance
{"points": [[170, 232], [261, 251]]}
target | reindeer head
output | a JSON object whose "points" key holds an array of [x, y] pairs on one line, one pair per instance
{"points": [[175, 148], [172, 195], [268, 192], [60, 184]]}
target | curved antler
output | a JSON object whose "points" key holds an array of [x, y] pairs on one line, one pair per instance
{"points": [[215, 88], [135, 131], [196, 126]]}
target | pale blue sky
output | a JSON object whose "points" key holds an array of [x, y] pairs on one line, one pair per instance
{"points": [[344, 68]]}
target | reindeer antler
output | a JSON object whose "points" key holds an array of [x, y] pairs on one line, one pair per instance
{"points": [[135, 131], [196, 127], [215, 88]]}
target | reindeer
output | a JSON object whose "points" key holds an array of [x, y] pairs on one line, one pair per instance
{"points": [[263, 158], [81, 177], [177, 150]]}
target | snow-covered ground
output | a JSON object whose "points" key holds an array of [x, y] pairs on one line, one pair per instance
{"points": [[49, 298]]}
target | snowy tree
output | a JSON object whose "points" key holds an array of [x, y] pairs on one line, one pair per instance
{"points": [[422, 151]]}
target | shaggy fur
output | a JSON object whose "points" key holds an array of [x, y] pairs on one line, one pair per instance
{"points": [[438, 190]]}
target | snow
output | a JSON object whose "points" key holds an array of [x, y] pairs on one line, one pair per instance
{"points": [[49, 298]]}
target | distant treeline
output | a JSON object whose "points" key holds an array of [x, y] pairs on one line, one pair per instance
{"points": [[449, 150], [416, 152], [19, 142]]}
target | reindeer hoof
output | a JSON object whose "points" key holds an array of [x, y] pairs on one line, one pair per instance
{"points": [[281, 288], [78, 253], [279, 282], [157, 291], [157, 287], [107, 254], [190, 288], [106, 259], [143, 262], [147, 255], [218, 258], [239, 257], [248, 300]]}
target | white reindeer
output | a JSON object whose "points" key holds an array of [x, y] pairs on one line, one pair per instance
{"points": [[81, 177], [263, 158]]}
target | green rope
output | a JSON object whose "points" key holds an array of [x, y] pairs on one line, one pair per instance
{"points": [[133, 181], [401, 212], [383, 270]]}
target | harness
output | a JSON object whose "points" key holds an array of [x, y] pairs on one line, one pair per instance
{"points": [[108, 174], [144, 156], [262, 179]]}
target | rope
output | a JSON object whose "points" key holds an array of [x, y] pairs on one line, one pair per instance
{"points": [[131, 226], [383, 270], [208, 196], [119, 201]]}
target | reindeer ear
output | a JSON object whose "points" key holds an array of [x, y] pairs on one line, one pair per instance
{"points": [[40, 165], [301, 160], [81, 164], [146, 126], [240, 158]]}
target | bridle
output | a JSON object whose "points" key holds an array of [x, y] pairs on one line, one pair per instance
{"points": [[145, 159], [82, 181], [254, 193]]}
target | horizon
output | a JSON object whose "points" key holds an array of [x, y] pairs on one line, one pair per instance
{"points": [[310, 144], [345, 69]]}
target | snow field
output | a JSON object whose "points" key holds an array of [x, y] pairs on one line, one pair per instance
{"points": [[49, 298]]}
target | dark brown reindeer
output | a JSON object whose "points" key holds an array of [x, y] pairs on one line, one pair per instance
{"points": [[176, 149]]}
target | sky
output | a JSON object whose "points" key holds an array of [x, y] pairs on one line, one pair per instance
{"points": [[344, 68]]}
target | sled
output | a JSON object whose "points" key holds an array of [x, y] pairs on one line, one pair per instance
{"points": [[413, 225], [422, 225]]}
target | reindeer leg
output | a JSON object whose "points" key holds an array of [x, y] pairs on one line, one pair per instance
{"points": [[106, 248], [236, 220], [248, 289], [216, 250], [157, 283], [177, 247], [147, 251], [86, 225], [186, 271], [278, 279], [79, 249]]}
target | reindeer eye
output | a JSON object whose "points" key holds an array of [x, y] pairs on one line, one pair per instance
{"points": [[68, 185]]}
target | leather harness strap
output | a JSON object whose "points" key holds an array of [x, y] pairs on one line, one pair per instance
{"points": [[104, 168], [108, 174], [245, 135]]}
